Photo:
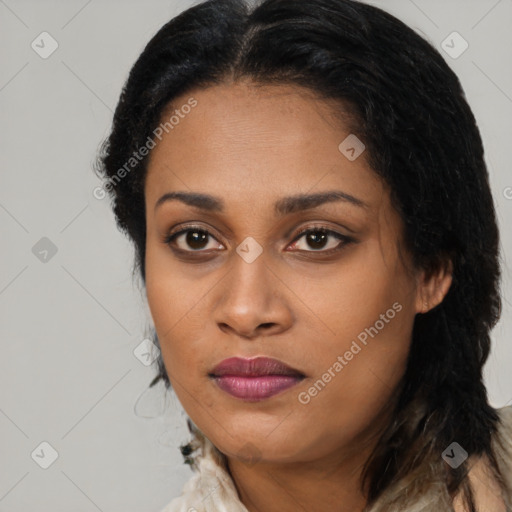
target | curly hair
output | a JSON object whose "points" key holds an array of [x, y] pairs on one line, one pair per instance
{"points": [[421, 138]]}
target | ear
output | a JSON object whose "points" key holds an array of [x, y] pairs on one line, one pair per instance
{"points": [[433, 285]]}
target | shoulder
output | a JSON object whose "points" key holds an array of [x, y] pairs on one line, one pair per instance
{"points": [[503, 447], [487, 491], [505, 425]]}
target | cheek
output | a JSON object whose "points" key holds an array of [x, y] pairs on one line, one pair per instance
{"points": [[171, 294], [344, 299], [355, 382], [369, 310], [178, 301], [372, 362], [171, 304]]}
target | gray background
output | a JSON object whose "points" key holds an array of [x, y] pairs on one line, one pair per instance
{"points": [[70, 323]]}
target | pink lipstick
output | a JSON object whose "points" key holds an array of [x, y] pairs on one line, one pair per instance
{"points": [[254, 379]]}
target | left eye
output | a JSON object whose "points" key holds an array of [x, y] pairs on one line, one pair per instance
{"points": [[317, 239]]}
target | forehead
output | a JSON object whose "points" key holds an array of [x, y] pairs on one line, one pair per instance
{"points": [[247, 141]]}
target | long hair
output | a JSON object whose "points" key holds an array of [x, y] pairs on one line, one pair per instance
{"points": [[421, 138]]}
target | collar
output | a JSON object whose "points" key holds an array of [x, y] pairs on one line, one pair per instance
{"points": [[211, 488]]}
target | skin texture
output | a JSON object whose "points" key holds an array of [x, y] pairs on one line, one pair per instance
{"points": [[251, 146], [485, 488]]}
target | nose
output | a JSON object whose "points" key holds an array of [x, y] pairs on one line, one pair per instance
{"points": [[253, 301]]}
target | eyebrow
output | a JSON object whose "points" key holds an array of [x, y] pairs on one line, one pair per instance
{"points": [[283, 206]]}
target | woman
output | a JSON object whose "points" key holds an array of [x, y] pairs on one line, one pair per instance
{"points": [[305, 188]]}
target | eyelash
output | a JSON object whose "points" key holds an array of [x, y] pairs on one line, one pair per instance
{"points": [[344, 239]]}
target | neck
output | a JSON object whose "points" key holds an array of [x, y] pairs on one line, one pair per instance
{"points": [[331, 483]]}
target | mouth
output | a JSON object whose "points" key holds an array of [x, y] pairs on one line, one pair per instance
{"points": [[254, 379]]}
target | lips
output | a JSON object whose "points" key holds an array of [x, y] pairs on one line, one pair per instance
{"points": [[254, 379], [255, 367]]}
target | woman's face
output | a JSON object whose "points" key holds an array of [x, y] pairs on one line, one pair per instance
{"points": [[337, 307]]}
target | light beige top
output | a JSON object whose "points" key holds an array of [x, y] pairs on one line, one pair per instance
{"points": [[211, 488]]}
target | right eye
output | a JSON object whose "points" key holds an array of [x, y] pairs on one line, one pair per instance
{"points": [[190, 239]]}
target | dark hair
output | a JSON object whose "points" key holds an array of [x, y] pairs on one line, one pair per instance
{"points": [[421, 138]]}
